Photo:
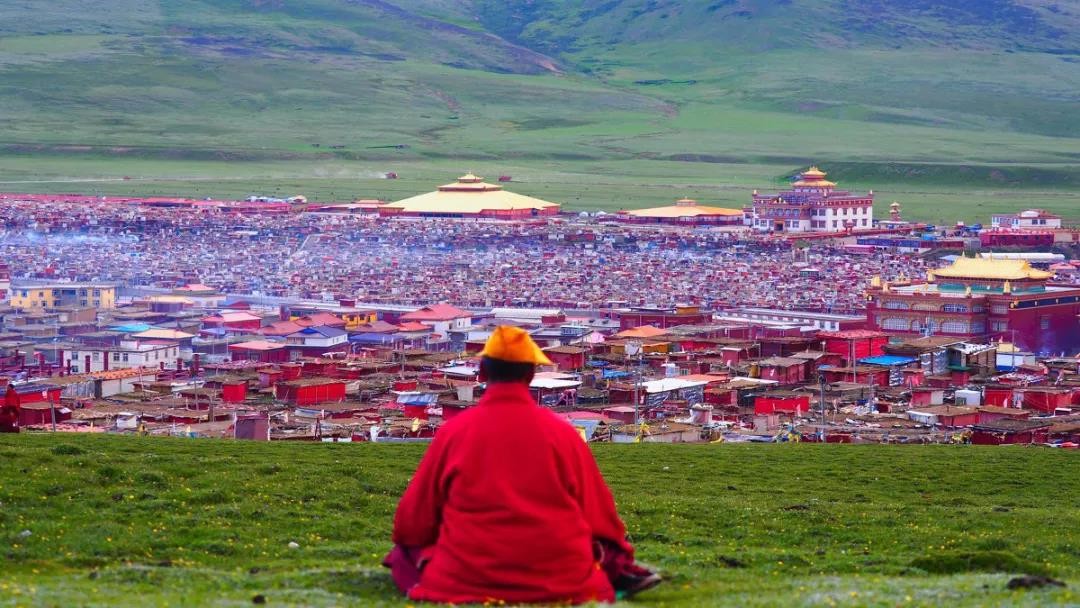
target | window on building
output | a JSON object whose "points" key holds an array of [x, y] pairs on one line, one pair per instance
{"points": [[895, 324], [999, 326], [116, 356], [125, 357], [955, 308], [1044, 322], [954, 327]]}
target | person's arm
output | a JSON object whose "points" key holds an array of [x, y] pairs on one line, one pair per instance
{"points": [[596, 500], [416, 522]]}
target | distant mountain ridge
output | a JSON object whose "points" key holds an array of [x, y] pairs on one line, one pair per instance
{"points": [[541, 78]]}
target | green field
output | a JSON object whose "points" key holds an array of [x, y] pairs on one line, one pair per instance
{"points": [[107, 521], [955, 108]]}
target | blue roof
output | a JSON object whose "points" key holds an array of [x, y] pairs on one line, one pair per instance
{"points": [[888, 360], [130, 328], [372, 338], [615, 373], [322, 330]]}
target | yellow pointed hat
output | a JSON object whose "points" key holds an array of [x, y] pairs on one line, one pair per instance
{"points": [[515, 345]]}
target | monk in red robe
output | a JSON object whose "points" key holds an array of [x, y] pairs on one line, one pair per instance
{"points": [[508, 503], [9, 411]]}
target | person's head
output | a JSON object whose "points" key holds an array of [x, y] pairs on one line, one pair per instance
{"points": [[510, 356], [497, 371]]}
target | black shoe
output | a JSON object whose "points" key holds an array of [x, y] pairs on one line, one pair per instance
{"points": [[629, 585]]}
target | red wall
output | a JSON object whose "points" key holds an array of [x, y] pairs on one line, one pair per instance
{"points": [[988, 438], [864, 347], [264, 356], [1063, 333], [959, 420], [1046, 402], [998, 396], [309, 395], [234, 393], [28, 416], [567, 361], [784, 375], [774, 405]]}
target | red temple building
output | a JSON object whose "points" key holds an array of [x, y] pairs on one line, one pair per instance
{"points": [[812, 205], [980, 298], [662, 318]]}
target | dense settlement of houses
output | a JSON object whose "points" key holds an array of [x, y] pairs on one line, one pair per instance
{"points": [[361, 322]]}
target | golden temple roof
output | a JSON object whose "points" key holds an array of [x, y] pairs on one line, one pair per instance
{"points": [[684, 207], [814, 177], [468, 195], [983, 268]]}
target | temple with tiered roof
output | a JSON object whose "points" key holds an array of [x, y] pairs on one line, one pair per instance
{"points": [[813, 204], [981, 298], [470, 197]]}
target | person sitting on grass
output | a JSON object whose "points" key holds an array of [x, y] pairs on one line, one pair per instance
{"points": [[508, 503]]}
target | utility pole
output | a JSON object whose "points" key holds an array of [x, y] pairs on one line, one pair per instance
{"points": [[633, 347], [821, 429]]}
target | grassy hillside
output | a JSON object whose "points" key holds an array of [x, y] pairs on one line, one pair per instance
{"points": [[902, 95], [98, 521]]}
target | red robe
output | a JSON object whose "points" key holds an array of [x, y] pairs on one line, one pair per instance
{"points": [[509, 499]]}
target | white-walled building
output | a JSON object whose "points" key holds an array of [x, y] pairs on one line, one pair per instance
{"points": [[126, 355], [1031, 219], [812, 205]]}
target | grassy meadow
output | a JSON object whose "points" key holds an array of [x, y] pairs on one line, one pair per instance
{"points": [[578, 185], [121, 521], [598, 106]]}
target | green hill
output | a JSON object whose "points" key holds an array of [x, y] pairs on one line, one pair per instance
{"points": [[975, 94], [108, 521]]}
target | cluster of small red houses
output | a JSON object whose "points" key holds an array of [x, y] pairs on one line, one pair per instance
{"points": [[332, 370]]}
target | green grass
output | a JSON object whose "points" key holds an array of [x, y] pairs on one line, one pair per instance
{"points": [[956, 111], [129, 521], [578, 185]]}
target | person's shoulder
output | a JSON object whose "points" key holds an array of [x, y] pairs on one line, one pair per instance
{"points": [[558, 424]]}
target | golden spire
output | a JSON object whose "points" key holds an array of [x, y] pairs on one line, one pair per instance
{"points": [[1007, 288]]}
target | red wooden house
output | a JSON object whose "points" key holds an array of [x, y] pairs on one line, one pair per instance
{"points": [[776, 404], [308, 391], [784, 370], [860, 343], [1002, 432], [259, 350], [1046, 399], [863, 374], [993, 413], [567, 358], [240, 320]]}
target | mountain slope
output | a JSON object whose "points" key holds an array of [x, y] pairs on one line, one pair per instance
{"points": [[775, 81]]}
